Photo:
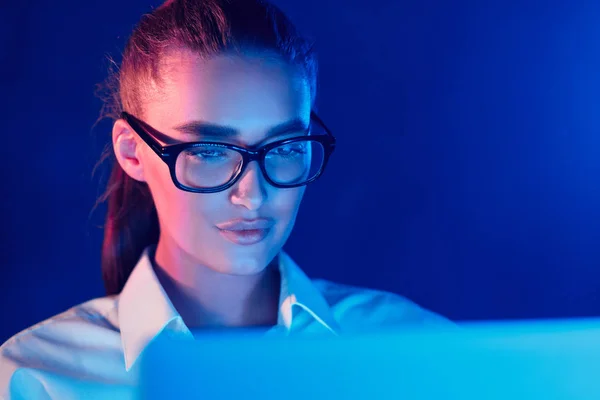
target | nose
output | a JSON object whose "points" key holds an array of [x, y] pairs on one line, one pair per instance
{"points": [[249, 191]]}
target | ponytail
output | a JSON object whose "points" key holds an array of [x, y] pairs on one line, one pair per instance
{"points": [[131, 226]]}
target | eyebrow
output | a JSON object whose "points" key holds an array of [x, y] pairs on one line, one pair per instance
{"points": [[202, 128]]}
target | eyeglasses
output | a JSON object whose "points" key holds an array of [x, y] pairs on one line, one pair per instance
{"points": [[209, 167]]}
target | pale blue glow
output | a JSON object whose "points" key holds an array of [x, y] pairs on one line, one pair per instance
{"points": [[535, 360]]}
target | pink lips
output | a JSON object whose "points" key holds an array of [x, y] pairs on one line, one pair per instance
{"points": [[246, 231]]}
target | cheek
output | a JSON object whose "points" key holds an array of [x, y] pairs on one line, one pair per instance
{"points": [[180, 213], [286, 202], [159, 181]]}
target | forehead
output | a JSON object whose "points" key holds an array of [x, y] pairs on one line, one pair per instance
{"points": [[250, 93]]}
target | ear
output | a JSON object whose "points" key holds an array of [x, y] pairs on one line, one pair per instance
{"points": [[128, 150]]}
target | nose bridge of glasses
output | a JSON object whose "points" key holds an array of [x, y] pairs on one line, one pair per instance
{"points": [[256, 155], [252, 175], [253, 155]]}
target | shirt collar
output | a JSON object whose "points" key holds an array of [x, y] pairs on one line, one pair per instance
{"points": [[145, 311]]}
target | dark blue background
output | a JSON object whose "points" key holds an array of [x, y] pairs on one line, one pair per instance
{"points": [[467, 175]]}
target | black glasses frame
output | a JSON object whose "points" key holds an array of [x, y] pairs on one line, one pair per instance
{"points": [[168, 154]]}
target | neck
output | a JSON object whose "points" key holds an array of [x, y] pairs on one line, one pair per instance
{"points": [[206, 298]]}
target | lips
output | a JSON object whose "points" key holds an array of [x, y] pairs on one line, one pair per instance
{"points": [[246, 224], [245, 231]]}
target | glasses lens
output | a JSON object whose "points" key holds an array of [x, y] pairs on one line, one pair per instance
{"points": [[207, 166], [295, 163]]}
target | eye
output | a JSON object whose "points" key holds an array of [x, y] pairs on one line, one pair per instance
{"points": [[210, 153], [290, 150]]}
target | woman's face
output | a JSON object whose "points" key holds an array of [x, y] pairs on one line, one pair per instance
{"points": [[239, 230]]}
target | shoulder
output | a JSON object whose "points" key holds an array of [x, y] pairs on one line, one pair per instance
{"points": [[89, 315], [359, 309], [54, 343]]}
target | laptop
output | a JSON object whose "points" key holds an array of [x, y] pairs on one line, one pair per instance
{"points": [[557, 359]]}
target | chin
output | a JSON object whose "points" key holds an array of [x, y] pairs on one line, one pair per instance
{"points": [[249, 262], [246, 267]]}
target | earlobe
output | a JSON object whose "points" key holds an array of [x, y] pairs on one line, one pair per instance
{"points": [[127, 151]]}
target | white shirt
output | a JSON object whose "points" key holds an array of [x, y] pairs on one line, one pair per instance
{"points": [[90, 351]]}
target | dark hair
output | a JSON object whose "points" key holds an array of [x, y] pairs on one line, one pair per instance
{"points": [[207, 28]]}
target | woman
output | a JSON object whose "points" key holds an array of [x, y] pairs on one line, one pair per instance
{"points": [[214, 146]]}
